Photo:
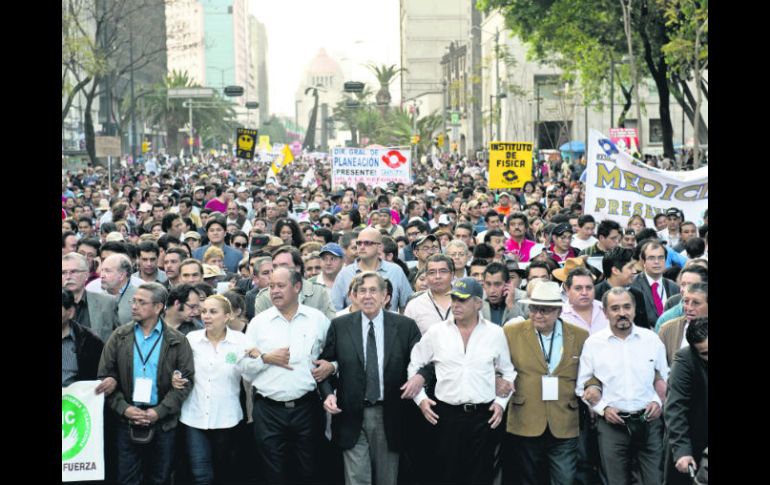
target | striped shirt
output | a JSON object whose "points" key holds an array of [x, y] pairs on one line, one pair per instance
{"points": [[69, 360]]}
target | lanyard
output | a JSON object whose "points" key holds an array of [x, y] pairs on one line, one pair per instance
{"points": [[123, 292], [550, 346], [142, 358], [440, 315]]}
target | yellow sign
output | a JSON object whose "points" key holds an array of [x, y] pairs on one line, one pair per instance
{"points": [[264, 143], [415, 139], [510, 164], [440, 140]]}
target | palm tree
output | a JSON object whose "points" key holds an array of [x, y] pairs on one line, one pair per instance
{"points": [[385, 75], [215, 121]]}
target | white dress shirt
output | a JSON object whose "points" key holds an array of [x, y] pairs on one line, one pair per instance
{"points": [[424, 310], [626, 368], [304, 335], [379, 340], [214, 401], [464, 376]]}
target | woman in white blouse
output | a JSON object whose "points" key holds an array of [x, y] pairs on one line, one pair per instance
{"points": [[213, 410]]}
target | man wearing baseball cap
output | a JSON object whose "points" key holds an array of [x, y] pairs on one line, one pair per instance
{"points": [[386, 222], [670, 233], [543, 416], [561, 249], [332, 257], [467, 411]]}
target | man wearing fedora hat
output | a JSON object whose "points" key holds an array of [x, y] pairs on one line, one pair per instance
{"points": [[543, 412]]}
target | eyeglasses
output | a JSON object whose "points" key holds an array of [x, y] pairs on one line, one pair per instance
{"points": [[545, 310], [366, 243], [193, 308], [72, 272], [134, 301], [240, 245], [436, 272], [326, 225]]}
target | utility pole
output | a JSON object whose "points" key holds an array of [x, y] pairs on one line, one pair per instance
{"points": [[443, 115], [612, 92], [190, 139], [497, 80], [132, 141], [324, 127]]}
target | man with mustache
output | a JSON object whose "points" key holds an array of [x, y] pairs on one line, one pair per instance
{"points": [[625, 358]]}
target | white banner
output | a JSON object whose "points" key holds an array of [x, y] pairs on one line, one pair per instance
{"points": [[82, 432], [372, 166], [619, 186]]}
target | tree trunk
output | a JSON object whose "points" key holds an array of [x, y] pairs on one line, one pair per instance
{"points": [[627, 95], [702, 130], [659, 75], [88, 125], [71, 98]]}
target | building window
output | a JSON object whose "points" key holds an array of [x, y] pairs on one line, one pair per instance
{"points": [[656, 131], [547, 86]]}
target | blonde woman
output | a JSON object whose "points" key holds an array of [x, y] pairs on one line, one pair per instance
{"points": [[214, 256], [213, 410]]}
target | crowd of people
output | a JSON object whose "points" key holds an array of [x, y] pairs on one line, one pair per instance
{"points": [[252, 328]]}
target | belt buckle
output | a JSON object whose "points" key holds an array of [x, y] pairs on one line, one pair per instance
{"points": [[289, 404], [469, 408]]}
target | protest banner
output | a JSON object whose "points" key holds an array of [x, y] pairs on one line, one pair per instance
{"points": [[82, 432], [626, 139], [510, 164], [246, 140], [372, 166], [619, 186]]}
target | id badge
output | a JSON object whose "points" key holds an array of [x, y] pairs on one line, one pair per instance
{"points": [[142, 390], [550, 388]]}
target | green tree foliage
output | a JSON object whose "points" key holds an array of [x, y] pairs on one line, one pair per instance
{"points": [[583, 37], [214, 122], [385, 75]]}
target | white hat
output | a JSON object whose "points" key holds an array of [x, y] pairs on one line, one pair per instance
{"points": [[546, 293], [314, 206]]}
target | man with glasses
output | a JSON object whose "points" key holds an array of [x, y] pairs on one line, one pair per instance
{"points": [[423, 248], [654, 287], [92, 310], [627, 360], [183, 309], [609, 238], [433, 305], [368, 247], [332, 257], [415, 229], [141, 356], [561, 249], [543, 414], [458, 251]]}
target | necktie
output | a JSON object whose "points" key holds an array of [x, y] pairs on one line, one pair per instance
{"points": [[372, 372], [656, 299]]}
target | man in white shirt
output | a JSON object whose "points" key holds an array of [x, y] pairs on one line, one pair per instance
{"points": [[287, 411], [467, 351], [584, 237], [670, 233], [332, 259], [433, 306], [625, 359], [581, 308]]}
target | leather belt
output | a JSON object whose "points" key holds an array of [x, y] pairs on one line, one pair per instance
{"points": [[286, 404]]}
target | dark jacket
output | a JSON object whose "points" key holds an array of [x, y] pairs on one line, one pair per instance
{"points": [[641, 284], [686, 411], [118, 362], [640, 318], [88, 349], [344, 344]]}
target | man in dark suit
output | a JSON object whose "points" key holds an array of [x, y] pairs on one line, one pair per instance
{"points": [[687, 404], [654, 287], [371, 348], [618, 268]]}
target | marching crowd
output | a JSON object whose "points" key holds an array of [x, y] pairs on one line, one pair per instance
{"points": [[251, 328]]}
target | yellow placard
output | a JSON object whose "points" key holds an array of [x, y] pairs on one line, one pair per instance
{"points": [[264, 143], [510, 164]]}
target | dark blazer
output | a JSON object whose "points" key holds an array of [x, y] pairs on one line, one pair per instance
{"points": [[640, 283], [88, 349], [640, 318], [686, 411], [344, 344]]}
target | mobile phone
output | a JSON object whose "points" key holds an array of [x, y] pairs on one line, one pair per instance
{"points": [[691, 469]]}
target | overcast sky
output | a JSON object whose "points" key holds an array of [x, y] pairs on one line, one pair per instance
{"points": [[362, 31]]}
